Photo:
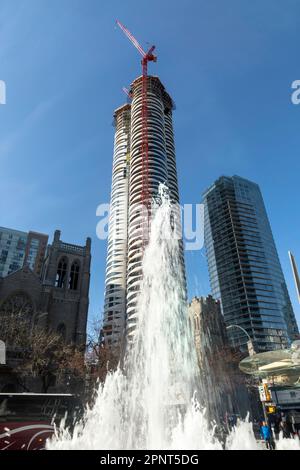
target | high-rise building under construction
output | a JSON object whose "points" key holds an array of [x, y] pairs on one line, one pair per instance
{"points": [[125, 250]]}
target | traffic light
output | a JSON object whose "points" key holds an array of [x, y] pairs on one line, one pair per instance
{"points": [[267, 392], [270, 409]]}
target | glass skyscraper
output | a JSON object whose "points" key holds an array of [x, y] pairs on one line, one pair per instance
{"points": [[244, 268]]}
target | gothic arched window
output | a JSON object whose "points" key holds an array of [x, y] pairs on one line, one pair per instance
{"points": [[61, 274], [18, 304], [62, 331], [74, 276]]}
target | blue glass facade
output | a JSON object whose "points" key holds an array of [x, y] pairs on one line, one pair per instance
{"points": [[244, 268]]}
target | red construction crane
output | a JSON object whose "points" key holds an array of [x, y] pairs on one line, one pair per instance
{"points": [[145, 194]]}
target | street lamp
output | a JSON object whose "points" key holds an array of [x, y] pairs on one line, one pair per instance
{"points": [[251, 352], [250, 346]]}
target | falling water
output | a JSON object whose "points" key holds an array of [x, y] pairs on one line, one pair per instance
{"points": [[154, 400]]}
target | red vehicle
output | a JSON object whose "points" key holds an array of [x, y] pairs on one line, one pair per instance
{"points": [[27, 419]]}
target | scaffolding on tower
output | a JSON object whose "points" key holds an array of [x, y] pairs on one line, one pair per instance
{"points": [[145, 193]]}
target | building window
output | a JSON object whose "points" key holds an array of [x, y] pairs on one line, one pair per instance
{"points": [[74, 276], [18, 303], [61, 274]]}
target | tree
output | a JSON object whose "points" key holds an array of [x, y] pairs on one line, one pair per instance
{"points": [[50, 359], [36, 351], [100, 358]]}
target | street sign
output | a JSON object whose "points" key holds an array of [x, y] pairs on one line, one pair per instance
{"points": [[2, 353], [286, 396], [264, 393]]}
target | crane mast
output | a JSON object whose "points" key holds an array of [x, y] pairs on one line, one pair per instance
{"points": [[145, 193]]}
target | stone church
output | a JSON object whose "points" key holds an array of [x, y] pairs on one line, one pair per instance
{"points": [[224, 385], [58, 299]]}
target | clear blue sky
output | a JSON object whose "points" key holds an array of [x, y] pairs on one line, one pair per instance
{"points": [[229, 66]]}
